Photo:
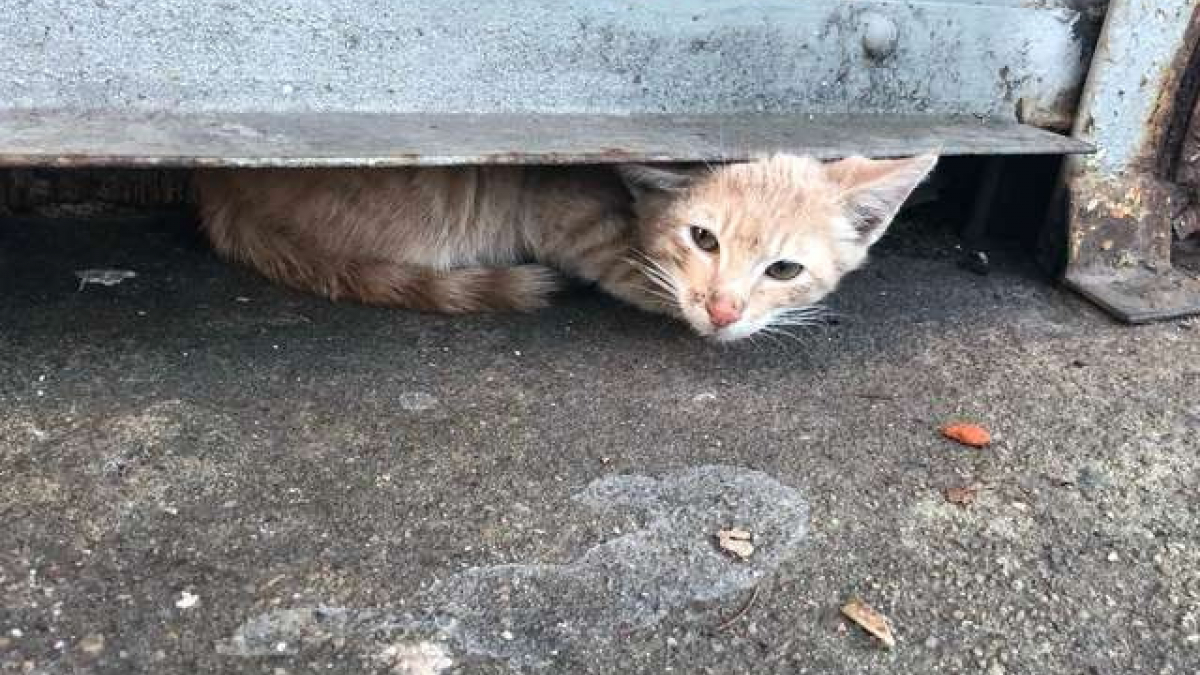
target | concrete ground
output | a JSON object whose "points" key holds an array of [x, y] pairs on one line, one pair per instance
{"points": [[203, 473]]}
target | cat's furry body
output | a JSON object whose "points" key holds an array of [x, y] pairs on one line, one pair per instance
{"points": [[483, 238]]}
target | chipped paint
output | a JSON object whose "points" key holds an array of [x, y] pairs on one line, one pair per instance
{"points": [[1123, 202]]}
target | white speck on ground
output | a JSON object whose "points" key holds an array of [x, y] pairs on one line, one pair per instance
{"points": [[417, 401], [103, 277], [92, 644], [187, 600], [420, 658]]}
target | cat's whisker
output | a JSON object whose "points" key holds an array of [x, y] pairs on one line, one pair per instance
{"points": [[663, 282], [811, 315], [770, 335], [662, 297], [771, 330], [650, 264], [665, 298], [663, 287], [660, 283], [807, 327], [807, 309], [773, 334], [814, 320]]}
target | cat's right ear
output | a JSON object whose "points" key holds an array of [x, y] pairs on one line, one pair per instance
{"points": [[643, 179], [873, 190]]}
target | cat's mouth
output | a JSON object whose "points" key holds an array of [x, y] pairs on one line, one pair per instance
{"points": [[698, 320], [775, 325], [739, 330], [735, 332]]}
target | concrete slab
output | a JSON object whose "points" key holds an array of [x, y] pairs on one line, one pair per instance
{"points": [[203, 473], [96, 139]]}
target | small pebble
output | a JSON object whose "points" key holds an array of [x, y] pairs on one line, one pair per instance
{"points": [[92, 644], [417, 401], [187, 600]]}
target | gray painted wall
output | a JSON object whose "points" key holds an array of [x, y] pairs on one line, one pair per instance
{"points": [[604, 56]]}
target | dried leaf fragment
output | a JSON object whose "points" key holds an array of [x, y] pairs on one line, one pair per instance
{"points": [[870, 620], [736, 542], [963, 495], [967, 433]]}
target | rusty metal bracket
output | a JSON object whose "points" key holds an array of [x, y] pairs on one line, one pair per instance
{"points": [[1121, 202]]}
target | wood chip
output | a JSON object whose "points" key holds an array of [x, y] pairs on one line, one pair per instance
{"points": [[968, 433], [963, 495], [736, 542], [870, 620]]}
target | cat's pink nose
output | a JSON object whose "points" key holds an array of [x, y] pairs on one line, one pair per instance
{"points": [[723, 312]]}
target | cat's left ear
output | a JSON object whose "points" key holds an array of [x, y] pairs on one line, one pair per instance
{"points": [[642, 179], [873, 190]]}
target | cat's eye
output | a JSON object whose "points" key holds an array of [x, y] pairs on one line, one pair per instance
{"points": [[783, 270], [707, 241]]}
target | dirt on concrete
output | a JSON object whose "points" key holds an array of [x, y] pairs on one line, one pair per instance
{"points": [[204, 473]]}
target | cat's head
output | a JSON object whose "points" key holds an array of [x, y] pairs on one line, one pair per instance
{"points": [[738, 248]]}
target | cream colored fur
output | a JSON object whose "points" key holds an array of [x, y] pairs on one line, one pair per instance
{"points": [[486, 238]]}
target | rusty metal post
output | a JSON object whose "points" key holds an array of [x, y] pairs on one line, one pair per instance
{"points": [[1122, 200]]}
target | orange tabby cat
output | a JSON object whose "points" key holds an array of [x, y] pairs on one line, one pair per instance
{"points": [[731, 250]]}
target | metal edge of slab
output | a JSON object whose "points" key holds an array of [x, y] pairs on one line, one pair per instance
{"points": [[1153, 303], [312, 140]]}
